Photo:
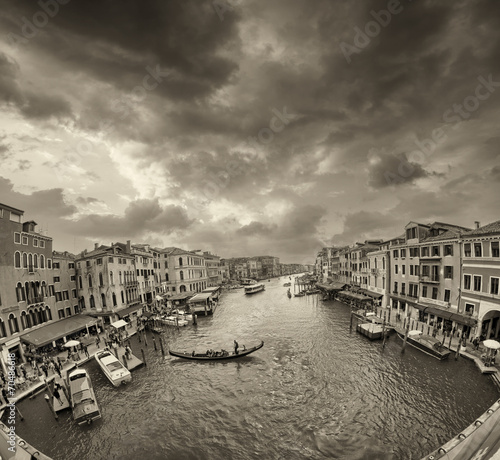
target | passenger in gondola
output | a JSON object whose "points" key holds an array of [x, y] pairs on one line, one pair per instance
{"points": [[235, 347]]}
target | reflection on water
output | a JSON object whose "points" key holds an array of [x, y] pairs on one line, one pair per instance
{"points": [[314, 390]]}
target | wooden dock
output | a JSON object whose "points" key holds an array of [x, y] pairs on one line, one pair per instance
{"points": [[132, 363]]}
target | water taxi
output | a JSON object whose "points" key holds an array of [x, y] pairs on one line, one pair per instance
{"points": [[427, 344], [83, 400], [254, 288], [113, 368]]}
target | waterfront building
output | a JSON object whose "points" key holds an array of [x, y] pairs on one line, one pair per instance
{"points": [[480, 297], [26, 288], [183, 271], [107, 285], [425, 273], [379, 274], [147, 262], [64, 279], [214, 273], [270, 266]]}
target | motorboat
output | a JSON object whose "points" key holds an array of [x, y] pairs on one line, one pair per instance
{"points": [[216, 356], [83, 400], [426, 343], [252, 289], [174, 320], [113, 368]]}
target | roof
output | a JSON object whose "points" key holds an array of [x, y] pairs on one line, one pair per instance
{"points": [[211, 289], [119, 323], [489, 229], [50, 332], [200, 297], [127, 311], [447, 235], [11, 208], [182, 296]]}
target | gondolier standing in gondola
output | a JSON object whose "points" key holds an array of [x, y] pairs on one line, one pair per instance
{"points": [[236, 347]]}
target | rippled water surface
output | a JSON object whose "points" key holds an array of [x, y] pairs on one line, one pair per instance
{"points": [[313, 391]]}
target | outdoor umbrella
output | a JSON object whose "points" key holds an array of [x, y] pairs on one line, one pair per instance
{"points": [[71, 343], [493, 344]]}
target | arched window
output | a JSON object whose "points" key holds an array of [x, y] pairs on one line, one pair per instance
{"points": [[13, 325], [81, 301], [123, 298], [111, 278], [44, 289], [182, 288], [92, 302], [42, 261], [114, 300], [180, 261], [30, 261], [35, 260], [25, 260], [90, 281], [17, 259], [120, 276], [3, 333], [181, 274], [33, 318], [28, 292], [24, 322], [39, 315], [48, 313], [101, 281], [20, 292], [28, 320], [103, 300], [80, 283], [166, 276]]}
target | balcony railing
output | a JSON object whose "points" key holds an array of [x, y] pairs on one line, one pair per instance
{"points": [[429, 279]]}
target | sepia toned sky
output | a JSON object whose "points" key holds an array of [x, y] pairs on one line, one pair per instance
{"points": [[248, 127]]}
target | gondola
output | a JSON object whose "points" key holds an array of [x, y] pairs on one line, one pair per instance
{"points": [[221, 356]]}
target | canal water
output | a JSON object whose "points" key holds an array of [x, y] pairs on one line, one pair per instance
{"points": [[314, 391]]}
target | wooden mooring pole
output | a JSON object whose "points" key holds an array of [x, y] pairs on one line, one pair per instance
{"points": [[161, 346], [143, 356], [384, 335], [51, 407], [406, 338]]}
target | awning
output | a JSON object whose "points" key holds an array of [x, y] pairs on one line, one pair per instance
{"points": [[463, 319], [331, 286], [355, 296], [375, 295], [211, 289], [47, 334], [128, 310], [201, 297], [182, 296], [118, 324], [438, 312]]}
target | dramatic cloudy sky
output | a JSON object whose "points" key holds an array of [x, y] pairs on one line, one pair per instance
{"points": [[248, 127]]}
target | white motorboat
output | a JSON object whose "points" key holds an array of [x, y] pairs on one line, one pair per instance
{"points": [[113, 368], [174, 320], [83, 400], [252, 289]]}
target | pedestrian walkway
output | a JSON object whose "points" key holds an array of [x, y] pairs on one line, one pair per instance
{"points": [[36, 384], [452, 342]]}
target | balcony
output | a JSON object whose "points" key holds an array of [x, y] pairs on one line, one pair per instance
{"points": [[429, 279], [35, 299]]}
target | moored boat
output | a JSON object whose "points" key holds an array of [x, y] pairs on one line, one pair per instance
{"points": [[426, 344], [83, 400], [174, 320], [215, 356], [254, 288], [113, 368]]}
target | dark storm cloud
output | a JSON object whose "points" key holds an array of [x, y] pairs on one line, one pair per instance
{"points": [[30, 104], [115, 41], [391, 170], [41, 205], [140, 217]]}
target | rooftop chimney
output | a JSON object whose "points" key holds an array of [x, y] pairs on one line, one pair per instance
{"points": [[96, 245], [477, 223]]}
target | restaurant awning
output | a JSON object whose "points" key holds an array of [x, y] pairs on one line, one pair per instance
{"points": [[182, 296], [331, 287], [127, 311], [201, 297], [47, 334], [375, 295], [438, 312], [355, 296], [118, 324]]}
